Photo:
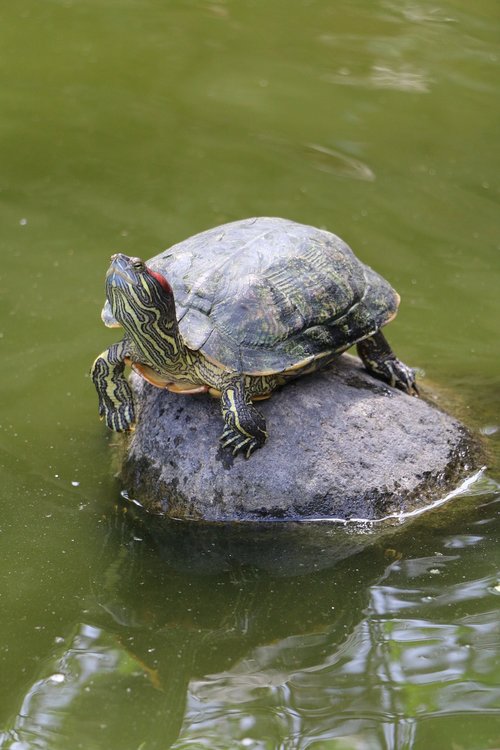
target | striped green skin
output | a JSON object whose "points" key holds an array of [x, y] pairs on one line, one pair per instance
{"points": [[244, 426], [147, 313], [252, 304]]}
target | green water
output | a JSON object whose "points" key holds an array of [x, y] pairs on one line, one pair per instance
{"points": [[126, 126]]}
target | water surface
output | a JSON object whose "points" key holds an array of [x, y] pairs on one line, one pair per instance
{"points": [[127, 126]]}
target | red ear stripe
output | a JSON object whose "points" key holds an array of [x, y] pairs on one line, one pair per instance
{"points": [[162, 280]]}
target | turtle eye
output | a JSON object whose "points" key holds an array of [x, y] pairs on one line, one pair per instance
{"points": [[137, 263]]}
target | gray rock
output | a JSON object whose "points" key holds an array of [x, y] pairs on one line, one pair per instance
{"points": [[341, 445]]}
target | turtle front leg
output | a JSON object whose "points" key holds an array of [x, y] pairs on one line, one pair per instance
{"points": [[116, 402], [244, 425], [379, 359]]}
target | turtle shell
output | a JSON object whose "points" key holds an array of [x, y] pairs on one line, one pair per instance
{"points": [[262, 295]]}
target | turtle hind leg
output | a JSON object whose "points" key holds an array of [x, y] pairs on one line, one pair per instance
{"points": [[116, 402], [381, 362], [244, 425]]}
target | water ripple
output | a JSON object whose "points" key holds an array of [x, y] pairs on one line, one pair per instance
{"points": [[383, 76]]}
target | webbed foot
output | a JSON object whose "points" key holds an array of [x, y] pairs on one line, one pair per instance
{"points": [[119, 418], [398, 375], [116, 402], [379, 359], [245, 427]]}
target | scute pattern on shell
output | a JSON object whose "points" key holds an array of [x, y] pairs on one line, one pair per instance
{"points": [[262, 294]]}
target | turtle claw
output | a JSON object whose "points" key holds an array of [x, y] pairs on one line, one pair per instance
{"points": [[117, 411], [119, 420], [240, 446], [401, 376], [227, 438], [396, 374], [253, 445], [124, 421], [238, 442]]}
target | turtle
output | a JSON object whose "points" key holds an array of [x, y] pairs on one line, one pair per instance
{"points": [[236, 312]]}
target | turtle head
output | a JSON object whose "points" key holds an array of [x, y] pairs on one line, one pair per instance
{"points": [[136, 296]]}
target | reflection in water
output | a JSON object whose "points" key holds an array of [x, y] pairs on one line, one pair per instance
{"points": [[418, 13], [418, 669], [68, 700], [360, 655], [335, 162], [324, 159], [404, 78]]}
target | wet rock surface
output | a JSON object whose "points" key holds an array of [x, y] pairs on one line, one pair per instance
{"points": [[341, 445]]}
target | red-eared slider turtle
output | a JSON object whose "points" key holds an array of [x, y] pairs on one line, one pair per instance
{"points": [[237, 311]]}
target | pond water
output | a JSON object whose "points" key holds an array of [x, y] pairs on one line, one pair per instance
{"points": [[127, 126]]}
